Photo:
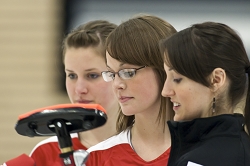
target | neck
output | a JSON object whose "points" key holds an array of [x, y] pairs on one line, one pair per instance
{"points": [[151, 128], [149, 137]]}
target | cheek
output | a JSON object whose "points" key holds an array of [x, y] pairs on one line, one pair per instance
{"points": [[69, 86], [186, 98], [153, 91], [70, 90], [149, 90], [190, 99], [105, 93], [195, 103], [108, 91]]}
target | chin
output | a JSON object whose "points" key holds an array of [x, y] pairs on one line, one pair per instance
{"points": [[128, 111], [127, 114], [177, 118]]}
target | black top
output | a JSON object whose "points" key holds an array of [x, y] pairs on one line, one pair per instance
{"points": [[214, 141]]}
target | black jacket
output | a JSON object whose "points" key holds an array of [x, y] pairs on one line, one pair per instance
{"points": [[214, 141]]}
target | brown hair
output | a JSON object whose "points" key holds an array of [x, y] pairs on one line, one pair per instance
{"points": [[136, 42], [196, 51], [91, 34]]}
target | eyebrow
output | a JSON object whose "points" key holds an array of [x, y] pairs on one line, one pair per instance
{"points": [[121, 64], [91, 69], [68, 70]]}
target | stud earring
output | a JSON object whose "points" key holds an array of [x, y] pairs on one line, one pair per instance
{"points": [[213, 105]]}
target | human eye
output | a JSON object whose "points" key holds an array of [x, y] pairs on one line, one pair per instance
{"points": [[127, 73], [110, 74], [72, 76], [93, 75], [177, 80]]}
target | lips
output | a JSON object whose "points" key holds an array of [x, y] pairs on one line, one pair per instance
{"points": [[124, 99], [176, 106], [84, 101]]}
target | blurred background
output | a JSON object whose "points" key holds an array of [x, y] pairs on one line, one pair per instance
{"points": [[31, 33]]}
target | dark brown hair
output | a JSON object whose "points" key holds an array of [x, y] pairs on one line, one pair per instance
{"points": [[196, 51]]}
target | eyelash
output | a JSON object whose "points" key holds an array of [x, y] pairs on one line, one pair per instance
{"points": [[89, 76], [92, 74], [178, 80], [72, 75]]}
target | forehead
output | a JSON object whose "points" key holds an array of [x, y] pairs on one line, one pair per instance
{"points": [[83, 57], [92, 51], [113, 63]]}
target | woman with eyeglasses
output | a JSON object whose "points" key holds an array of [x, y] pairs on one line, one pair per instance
{"points": [[135, 69]]}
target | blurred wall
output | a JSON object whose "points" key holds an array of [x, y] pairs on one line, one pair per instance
{"points": [[181, 14], [29, 34]]}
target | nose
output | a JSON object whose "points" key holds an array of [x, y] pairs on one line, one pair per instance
{"points": [[118, 83], [81, 87], [167, 90]]}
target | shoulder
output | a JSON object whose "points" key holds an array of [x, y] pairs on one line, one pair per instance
{"points": [[51, 142], [119, 139], [114, 151]]}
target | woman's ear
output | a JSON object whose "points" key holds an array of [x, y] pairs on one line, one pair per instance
{"points": [[218, 78]]}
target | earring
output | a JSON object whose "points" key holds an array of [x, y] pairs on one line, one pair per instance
{"points": [[213, 105]]}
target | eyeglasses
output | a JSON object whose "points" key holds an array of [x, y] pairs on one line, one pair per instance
{"points": [[123, 73]]}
